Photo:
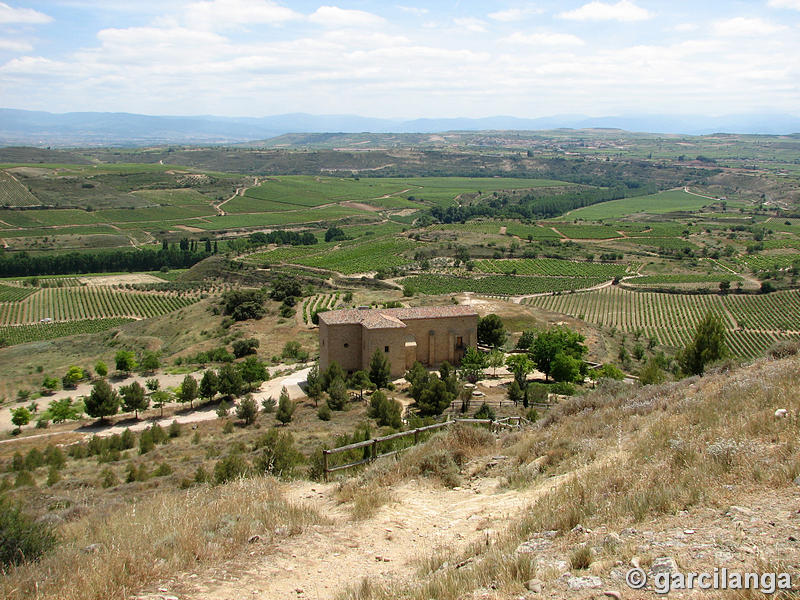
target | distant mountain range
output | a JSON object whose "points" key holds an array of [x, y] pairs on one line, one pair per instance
{"points": [[22, 127]]}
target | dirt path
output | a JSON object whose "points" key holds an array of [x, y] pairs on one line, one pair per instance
{"points": [[239, 192], [421, 520]]}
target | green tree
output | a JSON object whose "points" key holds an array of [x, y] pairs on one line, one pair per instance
{"points": [[152, 384], [419, 378], [496, 359], [133, 398], [557, 340], [434, 399], [651, 373], [491, 331], [50, 384], [209, 385], [566, 368], [379, 370], [386, 412], [472, 364], [707, 346], [62, 410], [253, 372], [20, 416], [526, 340], [125, 361], [337, 394], [188, 392], [285, 407], [73, 376], [103, 401], [150, 362], [230, 381], [314, 384], [515, 393], [160, 398], [520, 365], [360, 381], [333, 372], [101, 368], [607, 371], [247, 410]]}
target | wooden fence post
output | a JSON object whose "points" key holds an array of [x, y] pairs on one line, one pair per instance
{"points": [[325, 464], [374, 453], [416, 436]]}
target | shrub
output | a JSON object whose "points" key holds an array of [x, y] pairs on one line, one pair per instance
{"points": [[146, 443], [174, 430], [385, 411], [231, 467], [278, 455], [21, 538], [269, 404], [285, 407], [108, 478], [563, 388], [53, 476], [163, 470], [24, 479], [485, 412], [228, 427], [324, 412], [247, 410], [581, 557]]}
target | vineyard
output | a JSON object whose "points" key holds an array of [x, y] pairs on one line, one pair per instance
{"points": [[554, 267], [14, 294], [374, 255], [22, 334], [501, 285], [587, 232], [758, 262], [13, 193], [70, 304], [317, 303], [682, 278], [753, 322]]}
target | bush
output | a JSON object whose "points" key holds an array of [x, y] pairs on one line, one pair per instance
{"points": [[269, 404], [324, 412], [163, 470], [174, 430], [21, 538], [485, 412], [563, 388], [278, 455], [231, 467], [108, 478], [385, 411], [247, 410]]}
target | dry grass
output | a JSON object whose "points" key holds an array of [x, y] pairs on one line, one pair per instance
{"points": [[114, 553], [631, 457]]}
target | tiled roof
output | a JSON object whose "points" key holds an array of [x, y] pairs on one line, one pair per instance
{"points": [[386, 318]]}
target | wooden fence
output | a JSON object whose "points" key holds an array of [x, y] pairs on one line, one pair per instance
{"points": [[504, 423]]}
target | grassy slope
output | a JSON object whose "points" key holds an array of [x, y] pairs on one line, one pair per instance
{"points": [[627, 460], [664, 202]]}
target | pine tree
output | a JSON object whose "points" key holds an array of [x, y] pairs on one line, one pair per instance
{"points": [[379, 370], [285, 407]]}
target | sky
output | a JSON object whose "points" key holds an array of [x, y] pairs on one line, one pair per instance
{"points": [[402, 60]]}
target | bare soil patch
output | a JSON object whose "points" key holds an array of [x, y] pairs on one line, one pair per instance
{"points": [[120, 279]]}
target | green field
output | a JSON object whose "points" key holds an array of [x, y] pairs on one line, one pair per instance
{"points": [[22, 334], [682, 278], [13, 193], [753, 322], [14, 294], [554, 267], [587, 232], [656, 204], [90, 302], [497, 285]]}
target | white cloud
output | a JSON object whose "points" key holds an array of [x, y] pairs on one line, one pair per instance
{"points": [[221, 14], [420, 12], [333, 16], [743, 26], [9, 14], [791, 4], [683, 27], [15, 46], [514, 14], [545, 39], [624, 10], [470, 24]]}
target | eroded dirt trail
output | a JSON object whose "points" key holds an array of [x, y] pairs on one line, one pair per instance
{"points": [[422, 519]]}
